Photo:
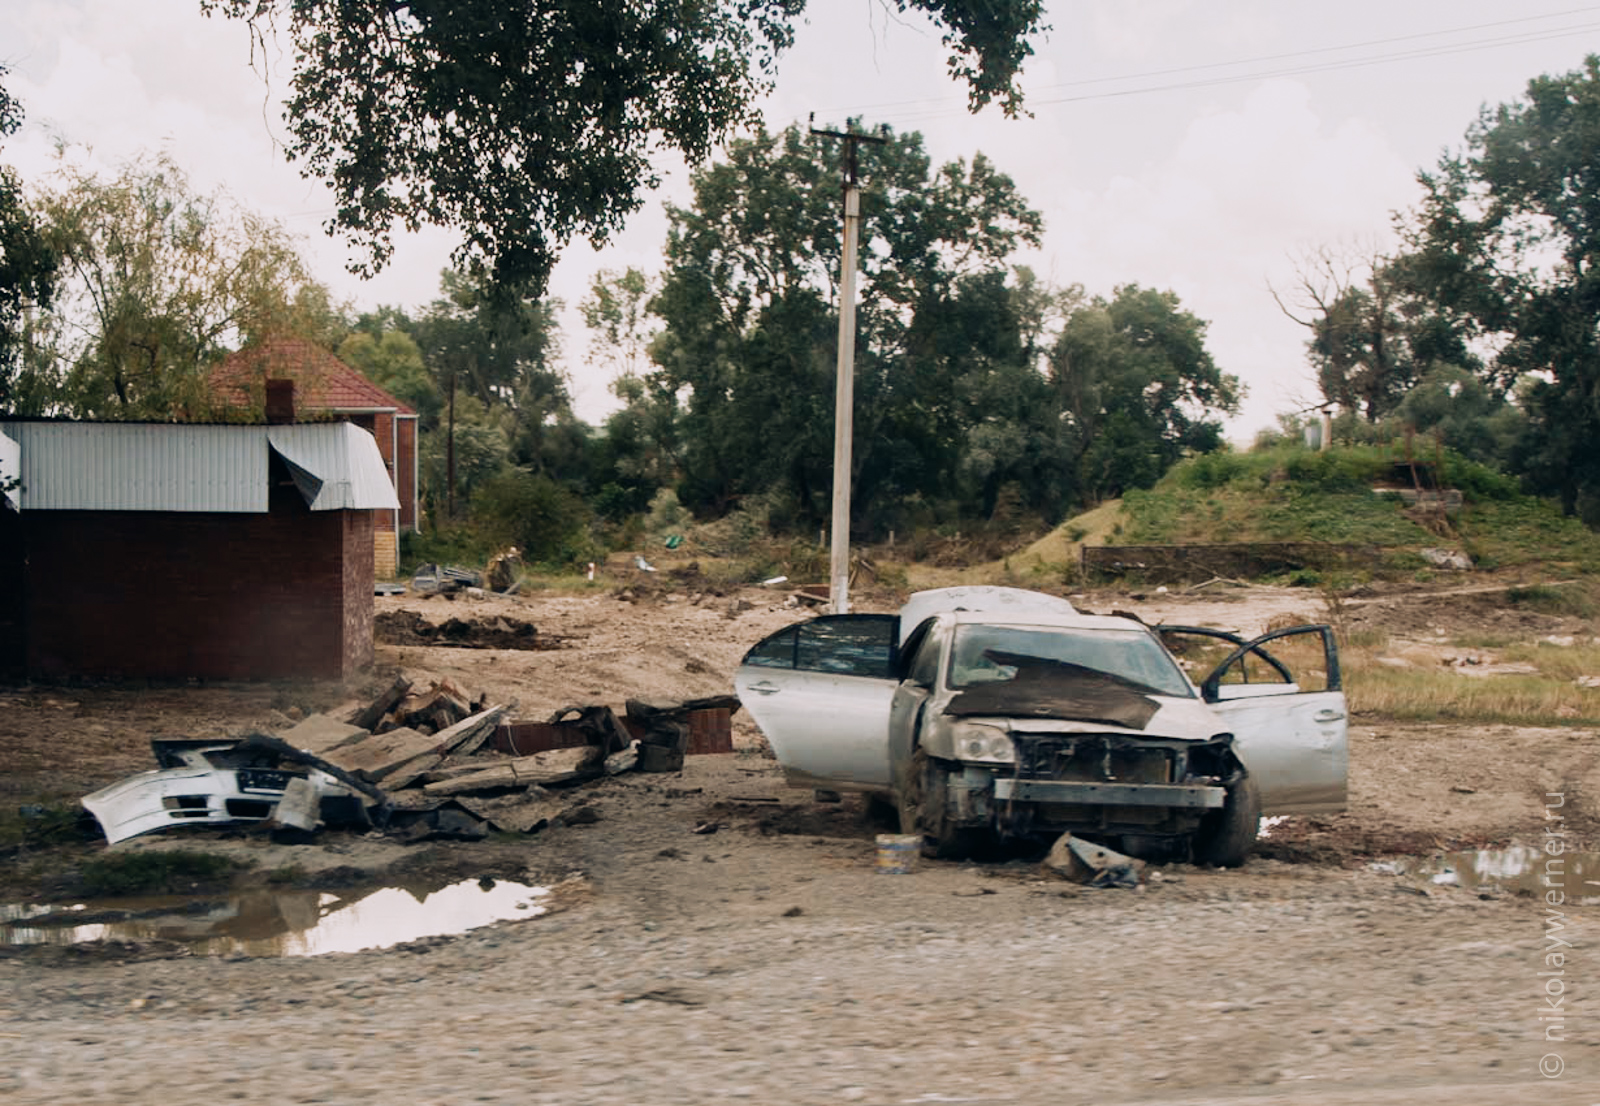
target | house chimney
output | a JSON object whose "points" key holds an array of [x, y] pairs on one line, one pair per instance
{"points": [[280, 402]]}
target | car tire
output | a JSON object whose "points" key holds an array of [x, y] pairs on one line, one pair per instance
{"points": [[1226, 838], [924, 810]]}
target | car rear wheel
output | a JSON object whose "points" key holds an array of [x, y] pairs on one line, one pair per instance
{"points": [[1226, 837], [924, 810]]}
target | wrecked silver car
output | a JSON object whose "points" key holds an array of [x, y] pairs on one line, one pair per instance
{"points": [[246, 781], [987, 712]]}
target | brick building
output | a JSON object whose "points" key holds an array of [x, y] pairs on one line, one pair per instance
{"points": [[173, 551], [325, 388]]}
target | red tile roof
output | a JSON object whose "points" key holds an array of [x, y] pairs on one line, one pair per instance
{"points": [[322, 382]]}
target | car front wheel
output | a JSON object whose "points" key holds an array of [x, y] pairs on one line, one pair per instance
{"points": [[1226, 837], [924, 810]]}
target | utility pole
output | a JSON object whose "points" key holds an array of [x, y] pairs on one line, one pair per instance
{"points": [[844, 393]]}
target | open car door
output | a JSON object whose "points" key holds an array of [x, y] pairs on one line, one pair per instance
{"points": [[821, 692], [1281, 696]]}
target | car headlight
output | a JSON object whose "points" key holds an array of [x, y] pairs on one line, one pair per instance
{"points": [[983, 743]]}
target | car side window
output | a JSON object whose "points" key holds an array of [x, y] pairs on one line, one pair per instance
{"points": [[776, 651], [848, 645], [851, 648]]}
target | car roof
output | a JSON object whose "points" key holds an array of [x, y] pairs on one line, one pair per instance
{"points": [[1046, 620], [987, 599]]}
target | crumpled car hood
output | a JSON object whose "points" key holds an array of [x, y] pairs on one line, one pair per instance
{"points": [[1183, 719]]}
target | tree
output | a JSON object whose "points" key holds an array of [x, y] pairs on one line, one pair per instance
{"points": [[28, 273], [1374, 334], [499, 346], [480, 451], [751, 323], [1465, 413], [157, 282], [1137, 388], [616, 311], [1356, 345], [392, 361], [1505, 245], [524, 125]]}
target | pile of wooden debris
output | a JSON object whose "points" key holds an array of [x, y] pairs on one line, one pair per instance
{"points": [[453, 765], [418, 763]]}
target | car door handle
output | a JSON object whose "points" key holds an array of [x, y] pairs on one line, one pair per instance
{"points": [[764, 688], [1330, 716]]}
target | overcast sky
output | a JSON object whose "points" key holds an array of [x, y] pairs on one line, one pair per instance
{"points": [[1199, 146]]}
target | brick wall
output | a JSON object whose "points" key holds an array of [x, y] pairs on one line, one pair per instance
{"points": [[405, 471], [13, 594], [382, 426], [358, 580], [176, 595]]}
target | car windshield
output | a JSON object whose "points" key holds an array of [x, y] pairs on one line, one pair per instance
{"points": [[987, 654]]}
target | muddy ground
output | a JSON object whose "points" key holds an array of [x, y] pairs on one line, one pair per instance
{"points": [[769, 961]]}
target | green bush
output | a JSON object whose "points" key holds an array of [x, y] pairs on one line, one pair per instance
{"points": [[541, 518], [448, 544], [1210, 471], [1335, 471]]}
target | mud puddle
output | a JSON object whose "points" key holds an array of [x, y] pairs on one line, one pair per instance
{"points": [[281, 923], [1521, 869]]}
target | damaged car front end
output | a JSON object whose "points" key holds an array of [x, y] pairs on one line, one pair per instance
{"points": [[1084, 725], [234, 782], [1099, 785]]}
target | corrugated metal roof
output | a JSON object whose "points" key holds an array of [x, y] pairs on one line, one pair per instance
{"points": [[141, 467], [346, 465], [179, 467]]}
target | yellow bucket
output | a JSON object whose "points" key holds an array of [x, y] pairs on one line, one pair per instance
{"points": [[898, 852]]}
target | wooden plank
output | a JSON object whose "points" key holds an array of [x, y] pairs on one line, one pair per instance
{"points": [[370, 715], [381, 756], [466, 735], [556, 766], [320, 735]]}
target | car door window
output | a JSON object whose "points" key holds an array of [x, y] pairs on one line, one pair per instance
{"points": [[1298, 659], [776, 651], [848, 645], [1222, 658]]}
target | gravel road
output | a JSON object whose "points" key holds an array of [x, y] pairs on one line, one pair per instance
{"points": [[781, 967]]}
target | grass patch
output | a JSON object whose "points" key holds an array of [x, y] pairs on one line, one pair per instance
{"points": [[1287, 493], [1574, 600], [287, 875], [1558, 662], [1277, 511], [1550, 697], [1425, 695], [1525, 530], [113, 875], [44, 825]]}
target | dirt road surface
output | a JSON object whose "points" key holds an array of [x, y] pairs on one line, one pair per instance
{"points": [[769, 961]]}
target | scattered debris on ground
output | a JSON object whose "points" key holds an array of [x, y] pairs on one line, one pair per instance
{"points": [[419, 764], [499, 632], [443, 579], [1073, 858]]}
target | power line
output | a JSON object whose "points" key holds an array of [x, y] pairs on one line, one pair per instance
{"points": [[921, 110]]}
